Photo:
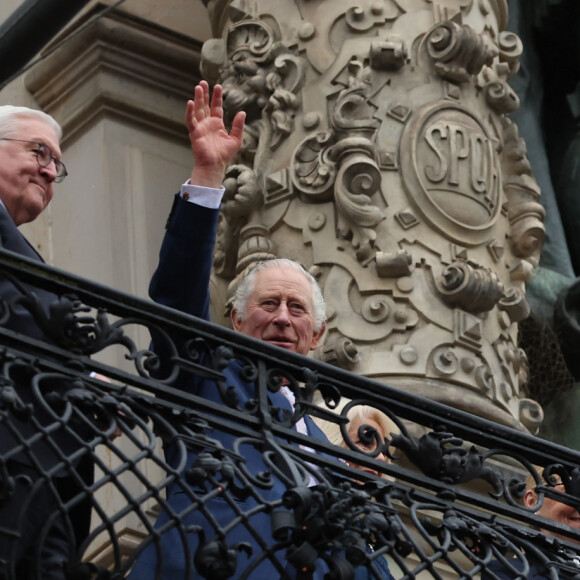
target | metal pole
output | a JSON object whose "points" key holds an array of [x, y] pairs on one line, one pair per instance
{"points": [[29, 29]]}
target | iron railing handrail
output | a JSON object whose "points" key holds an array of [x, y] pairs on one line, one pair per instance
{"points": [[428, 411]]}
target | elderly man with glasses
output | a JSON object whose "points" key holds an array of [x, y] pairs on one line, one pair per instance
{"points": [[35, 540], [30, 165]]}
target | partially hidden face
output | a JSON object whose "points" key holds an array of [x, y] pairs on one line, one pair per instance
{"points": [[26, 188], [353, 432], [280, 311], [555, 510]]}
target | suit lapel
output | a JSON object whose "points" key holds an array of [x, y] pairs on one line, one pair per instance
{"points": [[12, 239]]}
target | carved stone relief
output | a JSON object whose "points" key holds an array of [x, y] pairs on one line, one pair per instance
{"points": [[379, 155]]}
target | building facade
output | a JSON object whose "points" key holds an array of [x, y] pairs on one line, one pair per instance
{"points": [[381, 153]]}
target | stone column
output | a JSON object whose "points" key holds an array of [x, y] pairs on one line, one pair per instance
{"points": [[379, 155]]}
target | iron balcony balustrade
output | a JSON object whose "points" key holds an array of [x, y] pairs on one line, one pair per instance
{"points": [[449, 504]]}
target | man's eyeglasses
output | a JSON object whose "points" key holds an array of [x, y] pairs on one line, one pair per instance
{"points": [[44, 157]]}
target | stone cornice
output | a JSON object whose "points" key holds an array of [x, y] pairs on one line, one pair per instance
{"points": [[122, 67]]}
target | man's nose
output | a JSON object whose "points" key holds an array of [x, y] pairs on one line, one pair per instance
{"points": [[282, 314], [50, 171]]}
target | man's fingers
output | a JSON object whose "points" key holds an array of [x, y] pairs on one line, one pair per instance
{"points": [[201, 103], [217, 101], [201, 108], [189, 116], [198, 108], [205, 88], [238, 125]]}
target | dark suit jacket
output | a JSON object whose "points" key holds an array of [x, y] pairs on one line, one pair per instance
{"points": [[11, 239], [181, 281], [22, 321]]}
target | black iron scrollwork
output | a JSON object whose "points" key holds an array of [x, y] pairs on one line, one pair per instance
{"points": [[449, 497]]}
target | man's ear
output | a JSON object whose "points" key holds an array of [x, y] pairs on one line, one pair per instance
{"points": [[236, 320], [317, 336], [531, 498]]}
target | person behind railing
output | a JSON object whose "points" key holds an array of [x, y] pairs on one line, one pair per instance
{"points": [[30, 165], [367, 428], [373, 423], [279, 303], [551, 509]]}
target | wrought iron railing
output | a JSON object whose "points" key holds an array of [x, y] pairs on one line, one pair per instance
{"points": [[449, 504]]}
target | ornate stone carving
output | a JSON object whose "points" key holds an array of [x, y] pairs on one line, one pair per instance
{"points": [[342, 352], [385, 164], [240, 198], [389, 54], [458, 51], [470, 288]]}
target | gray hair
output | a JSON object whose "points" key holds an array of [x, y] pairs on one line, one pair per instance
{"points": [[11, 117], [362, 412], [247, 285]]}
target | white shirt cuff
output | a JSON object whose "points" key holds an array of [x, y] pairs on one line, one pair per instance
{"points": [[205, 196]]}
